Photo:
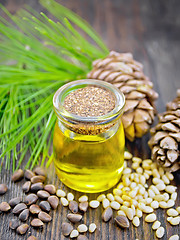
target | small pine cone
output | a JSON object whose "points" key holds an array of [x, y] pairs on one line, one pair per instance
{"points": [[125, 73], [165, 141]]}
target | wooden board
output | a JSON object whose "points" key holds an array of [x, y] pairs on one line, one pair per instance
{"points": [[151, 31]]}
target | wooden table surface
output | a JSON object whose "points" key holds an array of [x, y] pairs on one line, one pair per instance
{"points": [[151, 31]]}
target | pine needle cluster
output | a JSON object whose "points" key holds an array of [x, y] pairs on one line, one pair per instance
{"points": [[38, 55]]}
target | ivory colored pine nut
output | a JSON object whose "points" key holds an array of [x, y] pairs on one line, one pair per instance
{"points": [[142, 201], [151, 193], [115, 205], [165, 179], [178, 209], [174, 237], [127, 155], [175, 221], [145, 194], [94, 204], [83, 198], [170, 189], [132, 177], [174, 196], [136, 179], [172, 212], [166, 197], [160, 186], [64, 201], [125, 164], [134, 209], [148, 161], [160, 232], [105, 203], [125, 189], [146, 176], [82, 228], [170, 203], [133, 185], [156, 181], [127, 170], [74, 234], [117, 192], [142, 179], [134, 202], [121, 213], [136, 221], [148, 209], [126, 203], [142, 190], [135, 165], [110, 197], [146, 166], [138, 197], [137, 159], [60, 193], [155, 189], [138, 213], [126, 198], [139, 170], [156, 225], [148, 200], [162, 204], [92, 227], [170, 176], [129, 213], [101, 197], [141, 206], [126, 181], [124, 208], [169, 219], [118, 199], [120, 186], [70, 197], [159, 198], [155, 173], [150, 217], [154, 204], [149, 172], [132, 193], [161, 171]]}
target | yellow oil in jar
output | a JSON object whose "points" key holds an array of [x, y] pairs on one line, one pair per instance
{"points": [[88, 166]]}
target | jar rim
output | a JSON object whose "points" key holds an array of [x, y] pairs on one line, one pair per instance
{"points": [[63, 91]]}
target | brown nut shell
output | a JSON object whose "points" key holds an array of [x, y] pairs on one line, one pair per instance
{"points": [[22, 229], [31, 199], [122, 221], [45, 217], [54, 201], [4, 207], [3, 188], [17, 175], [36, 222]]}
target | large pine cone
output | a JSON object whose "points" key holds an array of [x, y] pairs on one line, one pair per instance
{"points": [[165, 141], [124, 72]]}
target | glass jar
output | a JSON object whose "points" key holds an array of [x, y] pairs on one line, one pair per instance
{"points": [[88, 151]]}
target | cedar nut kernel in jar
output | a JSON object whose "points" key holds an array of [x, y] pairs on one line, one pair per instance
{"points": [[89, 140]]}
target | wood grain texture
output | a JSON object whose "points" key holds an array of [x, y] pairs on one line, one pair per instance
{"points": [[151, 31]]}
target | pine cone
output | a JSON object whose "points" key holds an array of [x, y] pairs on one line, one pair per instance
{"points": [[124, 72], [165, 141]]}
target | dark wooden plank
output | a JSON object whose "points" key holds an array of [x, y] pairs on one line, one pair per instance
{"points": [[151, 31]]}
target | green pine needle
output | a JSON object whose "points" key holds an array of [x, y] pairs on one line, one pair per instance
{"points": [[38, 55]]}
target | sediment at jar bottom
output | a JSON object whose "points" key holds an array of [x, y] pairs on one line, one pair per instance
{"points": [[89, 166]]}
